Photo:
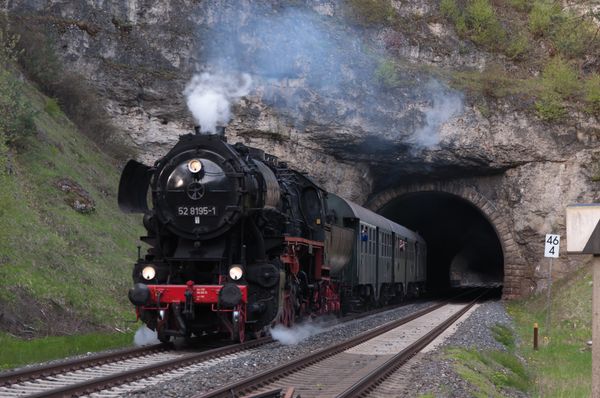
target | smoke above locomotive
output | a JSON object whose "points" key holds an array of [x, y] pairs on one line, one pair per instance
{"points": [[238, 242], [209, 97], [314, 68]]}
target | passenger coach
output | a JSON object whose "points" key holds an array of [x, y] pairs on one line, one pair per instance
{"points": [[387, 263]]}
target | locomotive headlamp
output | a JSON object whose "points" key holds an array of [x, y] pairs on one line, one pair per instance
{"points": [[148, 273], [236, 272], [194, 166]]}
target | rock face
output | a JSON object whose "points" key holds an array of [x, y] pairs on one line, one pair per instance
{"points": [[355, 107]]}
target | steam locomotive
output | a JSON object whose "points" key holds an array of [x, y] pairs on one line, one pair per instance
{"points": [[239, 241]]}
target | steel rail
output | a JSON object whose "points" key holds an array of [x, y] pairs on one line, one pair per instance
{"points": [[29, 373], [36, 372], [375, 377], [249, 384], [109, 381], [96, 384]]}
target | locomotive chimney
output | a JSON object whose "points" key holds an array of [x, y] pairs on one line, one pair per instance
{"points": [[197, 129]]}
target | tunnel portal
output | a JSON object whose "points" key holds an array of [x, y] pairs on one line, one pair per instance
{"points": [[462, 245]]}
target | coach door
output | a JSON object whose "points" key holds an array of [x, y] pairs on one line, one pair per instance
{"points": [[367, 267]]}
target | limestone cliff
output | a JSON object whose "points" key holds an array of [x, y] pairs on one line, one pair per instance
{"points": [[342, 115]]}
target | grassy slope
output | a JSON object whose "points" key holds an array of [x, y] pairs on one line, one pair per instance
{"points": [[563, 363], [62, 272]]}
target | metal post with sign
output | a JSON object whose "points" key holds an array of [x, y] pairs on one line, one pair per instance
{"points": [[552, 250], [583, 237]]}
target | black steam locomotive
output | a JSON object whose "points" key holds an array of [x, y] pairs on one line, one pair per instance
{"points": [[239, 241]]}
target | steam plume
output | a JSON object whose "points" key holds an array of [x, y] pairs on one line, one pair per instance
{"points": [[145, 336], [313, 68], [445, 104], [295, 334], [209, 97]]}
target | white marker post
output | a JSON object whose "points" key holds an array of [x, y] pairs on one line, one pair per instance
{"points": [[583, 237], [552, 250]]}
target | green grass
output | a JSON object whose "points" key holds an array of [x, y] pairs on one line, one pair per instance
{"points": [[495, 82], [62, 272], [491, 372], [504, 335], [562, 365], [16, 352]]}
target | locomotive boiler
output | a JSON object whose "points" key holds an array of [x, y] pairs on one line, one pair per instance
{"points": [[239, 241]]}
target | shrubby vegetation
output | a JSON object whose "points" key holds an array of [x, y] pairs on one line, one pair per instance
{"points": [[550, 107], [477, 21], [387, 74], [538, 36], [542, 17], [68, 90], [592, 93], [16, 114], [372, 12], [560, 77]]}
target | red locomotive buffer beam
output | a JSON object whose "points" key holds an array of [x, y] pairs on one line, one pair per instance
{"points": [[175, 294], [164, 297]]}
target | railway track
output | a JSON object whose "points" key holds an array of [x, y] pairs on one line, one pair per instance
{"points": [[90, 374], [354, 367], [139, 367]]}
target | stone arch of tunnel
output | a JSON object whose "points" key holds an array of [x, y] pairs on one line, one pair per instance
{"points": [[463, 230]]}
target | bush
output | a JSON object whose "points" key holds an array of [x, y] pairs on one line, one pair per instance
{"points": [[573, 35], [477, 21], [521, 5], [592, 93], [372, 12], [483, 25], [560, 77], [549, 107], [517, 47], [16, 115], [450, 10], [387, 74], [543, 15]]}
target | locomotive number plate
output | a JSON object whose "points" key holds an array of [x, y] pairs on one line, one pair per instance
{"points": [[197, 211]]}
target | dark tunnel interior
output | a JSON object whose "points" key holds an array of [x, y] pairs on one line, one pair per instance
{"points": [[463, 248]]}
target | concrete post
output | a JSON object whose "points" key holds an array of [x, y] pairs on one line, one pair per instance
{"points": [[596, 328]]}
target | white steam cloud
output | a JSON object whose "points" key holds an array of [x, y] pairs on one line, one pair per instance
{"points": [[313, 69], [145, 336], [445, 104], [295, 334], [209, 97]]}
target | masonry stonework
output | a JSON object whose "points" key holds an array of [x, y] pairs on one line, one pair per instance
{"points": [[516, 274]]}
